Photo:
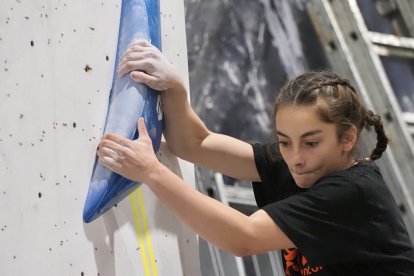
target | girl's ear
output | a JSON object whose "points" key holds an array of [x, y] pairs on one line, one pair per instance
{"points": [[349, 139]]}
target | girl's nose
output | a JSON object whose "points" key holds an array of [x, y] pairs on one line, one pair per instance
{"points": [[298, 160]]}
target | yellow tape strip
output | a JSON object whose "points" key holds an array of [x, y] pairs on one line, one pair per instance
{"points": [[138, 229], [147, 235]]}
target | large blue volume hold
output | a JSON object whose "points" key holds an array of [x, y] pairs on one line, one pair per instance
{"points": [[129, 100]]}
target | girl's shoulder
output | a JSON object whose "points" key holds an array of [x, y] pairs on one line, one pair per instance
{"points": [[362, 181], [363, 173]]}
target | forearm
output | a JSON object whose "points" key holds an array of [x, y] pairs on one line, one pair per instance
{"points": [[189, 139], [217, 223], [183, 129]]}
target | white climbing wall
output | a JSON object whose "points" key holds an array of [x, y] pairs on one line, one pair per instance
{"points": [[56, 67]]}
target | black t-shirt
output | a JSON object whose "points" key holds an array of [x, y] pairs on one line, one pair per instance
{"points": [[347, 223]]}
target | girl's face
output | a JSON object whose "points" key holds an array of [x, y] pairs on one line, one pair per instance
{"points": [[309, 146]]}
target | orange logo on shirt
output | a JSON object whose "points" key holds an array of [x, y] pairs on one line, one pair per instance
{"points": [[302, 267], [290, 260]]}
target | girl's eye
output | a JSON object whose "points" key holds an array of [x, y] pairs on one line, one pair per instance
{"points": [[283, 143], [312, 144]]}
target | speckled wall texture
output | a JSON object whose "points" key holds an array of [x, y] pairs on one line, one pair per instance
{"points": [[56, 67]]}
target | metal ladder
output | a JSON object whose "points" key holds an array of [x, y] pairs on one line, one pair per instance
{"points": [[220, 263], [356, 52]]}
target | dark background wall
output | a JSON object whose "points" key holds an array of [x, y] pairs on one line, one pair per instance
{"points": [[240, 53]]}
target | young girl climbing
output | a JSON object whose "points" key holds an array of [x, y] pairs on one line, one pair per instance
{"points": [[329, 211]]}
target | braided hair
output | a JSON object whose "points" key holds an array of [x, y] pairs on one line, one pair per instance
{"points": [[336, 101]]}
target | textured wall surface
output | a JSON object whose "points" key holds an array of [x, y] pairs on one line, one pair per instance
{"points": [[57, 61]]}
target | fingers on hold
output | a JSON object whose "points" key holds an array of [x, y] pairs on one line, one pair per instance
{"points": [[132, 54], [107, 136], [139, 76], [143, 138], [141, 126], [151, 80], [136, 76], [139, 45], [116, 155], [138, 65], [109, 162], [131, 65], [118, 145], [143, 42], [135, 47], [122, 70]]}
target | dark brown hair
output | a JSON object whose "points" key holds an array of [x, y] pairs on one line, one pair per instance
{"points": [[336, 101]]}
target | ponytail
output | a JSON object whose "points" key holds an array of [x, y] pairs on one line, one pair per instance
{"points": [[372, 119]]}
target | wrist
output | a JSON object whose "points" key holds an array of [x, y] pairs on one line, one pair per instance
{"points": [[155, 173], [177, 84]]}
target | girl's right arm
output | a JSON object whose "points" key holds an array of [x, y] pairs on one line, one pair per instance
{"points": [[186, 134], [221, 225]]}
